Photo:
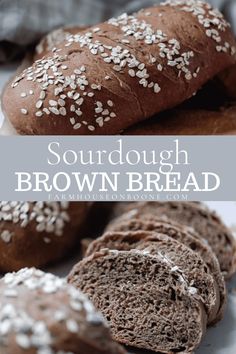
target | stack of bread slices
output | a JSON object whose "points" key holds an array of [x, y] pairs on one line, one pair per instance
{"points": [[158, 274]]}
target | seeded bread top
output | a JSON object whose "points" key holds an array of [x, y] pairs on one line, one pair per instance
{"points": [[35, 234], [53, 39], [42, 314], [50, 217]]}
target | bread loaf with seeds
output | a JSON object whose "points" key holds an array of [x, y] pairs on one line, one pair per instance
{"points": [[107, 78], [41, 313], [38, 233], [198, 216], [145, 301], [117, 232], [182, 258]]}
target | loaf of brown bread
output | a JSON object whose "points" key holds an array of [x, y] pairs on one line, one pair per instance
{"points": [[118, 73], [42, 314], [182, 258], [199, 117], [196, 215], [113, 239], [146, 301], [38, 233]]}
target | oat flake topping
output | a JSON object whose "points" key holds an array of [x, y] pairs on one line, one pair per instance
{"points": [[174, 269], [29, 332], [49, 217], [169, 48], [211, 19], [52, 39]]}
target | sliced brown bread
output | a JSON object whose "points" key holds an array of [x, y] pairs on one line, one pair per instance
{"points": [[196, 215], [146, 303], [183, 234], [180, 256]]}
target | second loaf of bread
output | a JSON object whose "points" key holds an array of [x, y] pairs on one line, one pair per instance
{"points": [[112, 76]]}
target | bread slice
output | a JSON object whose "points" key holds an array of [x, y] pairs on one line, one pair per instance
{"points": [[144, 300], [180, 256], [196, 215], [183, 234]]}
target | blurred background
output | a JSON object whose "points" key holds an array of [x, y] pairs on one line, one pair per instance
{"points": [[24, 22]]}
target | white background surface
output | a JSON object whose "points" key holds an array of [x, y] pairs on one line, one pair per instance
{"points": [[220, 339]]}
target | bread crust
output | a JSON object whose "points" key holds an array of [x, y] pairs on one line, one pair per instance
{"points": [[55, 38], [42, 313], [38, 233]]}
